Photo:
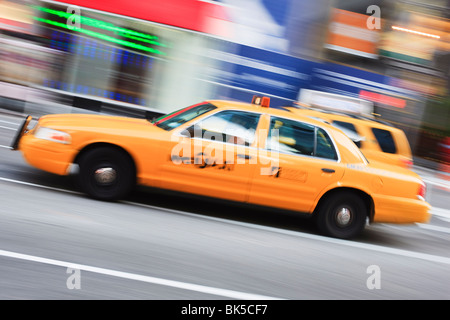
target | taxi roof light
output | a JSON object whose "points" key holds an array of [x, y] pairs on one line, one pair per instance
{"points": [[261, 101]]}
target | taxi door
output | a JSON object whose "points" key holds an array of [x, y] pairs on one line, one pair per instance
{"points": [[212, 156], [298, 161]]}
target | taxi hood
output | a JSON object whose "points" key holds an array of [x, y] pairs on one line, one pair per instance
{"points": [[75, 121]]}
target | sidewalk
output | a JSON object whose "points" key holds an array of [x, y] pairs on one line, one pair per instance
{"points": [[431, 174], [37, 101], [31, 101]]}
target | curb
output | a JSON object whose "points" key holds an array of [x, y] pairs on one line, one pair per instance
{"points": [[37, 101]]}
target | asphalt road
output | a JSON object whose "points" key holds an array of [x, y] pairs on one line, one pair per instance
{"points": [[55, 243]]}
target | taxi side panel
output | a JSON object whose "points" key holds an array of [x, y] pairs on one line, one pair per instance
{"points": [[404, 207]]}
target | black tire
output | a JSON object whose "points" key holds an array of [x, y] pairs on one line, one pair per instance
{"points": [[106, 173], [342, 215]]}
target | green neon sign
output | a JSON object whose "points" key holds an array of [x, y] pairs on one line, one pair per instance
{"points": [[123, 32]]}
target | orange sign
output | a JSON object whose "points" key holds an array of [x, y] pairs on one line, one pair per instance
{"points": [[348, 32]]}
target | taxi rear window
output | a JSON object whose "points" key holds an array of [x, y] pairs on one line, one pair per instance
{"points": [[385, 140], [289, 136]]}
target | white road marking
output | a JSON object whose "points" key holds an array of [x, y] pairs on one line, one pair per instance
{"points": [[3, 127], [432, 227], [443, 214], [131, 276], [440, 184], [5, 147], [444, 219], [349, 243], [9, 122]]}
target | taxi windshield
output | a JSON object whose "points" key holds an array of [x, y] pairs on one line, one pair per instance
{"points": [[177, 118]]}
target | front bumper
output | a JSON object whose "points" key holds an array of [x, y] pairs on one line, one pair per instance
{"points": [[20, 132], [46, 155]]}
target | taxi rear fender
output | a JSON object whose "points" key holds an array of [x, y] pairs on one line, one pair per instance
{"points": [[357, 192]]}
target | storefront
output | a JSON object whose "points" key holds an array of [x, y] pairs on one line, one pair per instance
{"points": [[400, 66], [159, 56]]}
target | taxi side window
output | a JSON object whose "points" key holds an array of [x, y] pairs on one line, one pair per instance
{"points": [[385, 140], [324, 147], [299, 138], [230, 126], [290, 136]]}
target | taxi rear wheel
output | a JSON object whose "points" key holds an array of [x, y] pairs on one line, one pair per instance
{"points": [[342, 215], [105, 173]]}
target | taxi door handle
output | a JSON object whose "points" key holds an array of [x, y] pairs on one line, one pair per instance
{"points": [[244, 156], [327, 170]]}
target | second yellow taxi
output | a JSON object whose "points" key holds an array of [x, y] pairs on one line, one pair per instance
{"points": [[378, 140]]}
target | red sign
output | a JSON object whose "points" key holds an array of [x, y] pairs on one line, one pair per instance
{"points": [[188, 14], [383, 99]]}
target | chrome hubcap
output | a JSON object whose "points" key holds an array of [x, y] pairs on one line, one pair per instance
{"points": [[343, 216], [105, 175]]}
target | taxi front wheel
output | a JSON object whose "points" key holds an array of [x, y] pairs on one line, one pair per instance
{"points": [[342, 215], [105, 173]]}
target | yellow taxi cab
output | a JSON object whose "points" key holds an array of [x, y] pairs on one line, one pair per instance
{"points": [[378, 140], [242, 152]]}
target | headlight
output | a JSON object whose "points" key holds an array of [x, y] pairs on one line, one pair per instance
{"points": [[52, 135]]}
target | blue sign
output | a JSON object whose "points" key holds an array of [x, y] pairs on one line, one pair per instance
{"points": [[245, 71], [345, 80]]}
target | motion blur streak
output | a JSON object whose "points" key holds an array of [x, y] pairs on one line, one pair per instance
{"points": [[130, 58], [384, 59], [405, 253]]}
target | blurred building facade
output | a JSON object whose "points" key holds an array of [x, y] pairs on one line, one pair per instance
{"points": [[160, 56]]}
